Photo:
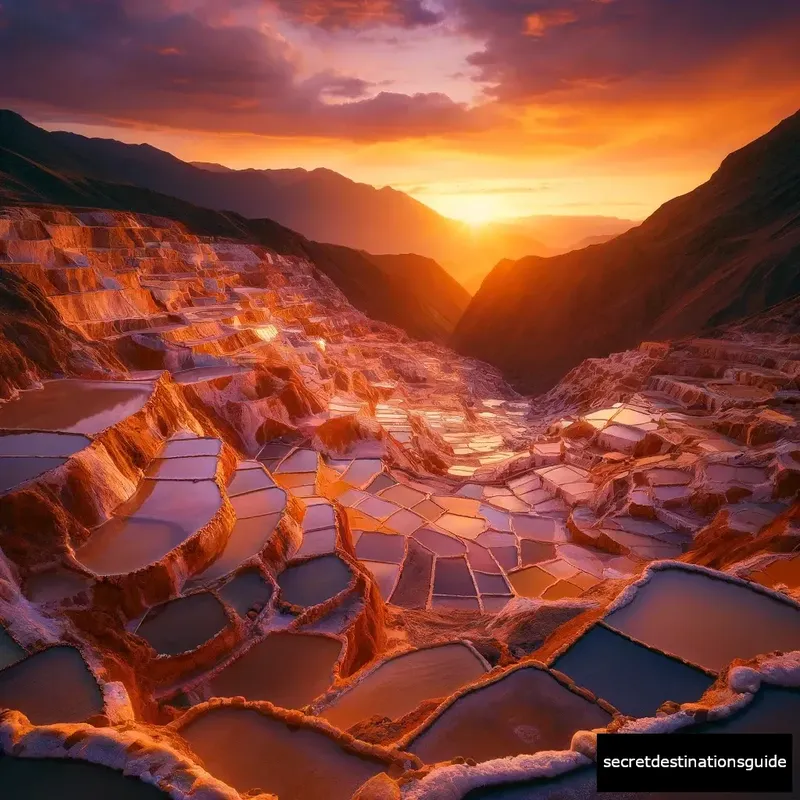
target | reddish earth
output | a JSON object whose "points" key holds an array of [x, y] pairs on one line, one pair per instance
{"points": [[237, 515]]}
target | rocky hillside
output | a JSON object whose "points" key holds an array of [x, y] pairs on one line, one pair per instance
{"points": [[36, 167], [726, 250], [320, 204]]}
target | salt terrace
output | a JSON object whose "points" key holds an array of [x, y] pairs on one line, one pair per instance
{"points": [[323, 559]]}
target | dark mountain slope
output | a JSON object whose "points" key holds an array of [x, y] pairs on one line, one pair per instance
{"points": [[401, 296], [726, 250], [442, 300]]}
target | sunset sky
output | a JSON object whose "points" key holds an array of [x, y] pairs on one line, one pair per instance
{"points": [[482, 109]]}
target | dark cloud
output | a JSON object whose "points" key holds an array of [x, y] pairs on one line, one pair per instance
{"points": [[538, 47], [343, 14], [211, 65], [332, 84], [176, 64]]}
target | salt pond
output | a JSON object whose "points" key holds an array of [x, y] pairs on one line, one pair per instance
{"points": [[525, 711], [706, 620], [402, 683], [288, 669], [75, 406], [628, 675], [314, 581], [302, 763], [54, 685]]}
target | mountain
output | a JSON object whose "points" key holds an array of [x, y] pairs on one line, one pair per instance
{"points": [[592, 240], [560, 234], [210, 167], [726, 250], [37, 167], [321, 204]]}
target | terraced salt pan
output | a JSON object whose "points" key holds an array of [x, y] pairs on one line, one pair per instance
{"points": [[385, 576], [628, 675], [440, 543], [191, 468], [377, 508], [465, 527], [314, 581], [399, 493], [18, 470], [248, 538], [491, 584], [247, 591], [184, 624], [54, 685], [259, 503], [185, 446], [55, 585], [706, 620], [480, 558], [317, 543], [319, 513], [452, 577], [378, 485], [533, 552], [405, 522], [362, 471], [532, 581], [249, 750], [75, 406], [414, 584], [288, 669], [159, 517], [42, 444], [301, 484], [10, 651], [525, 711], [399, 685], [429, 510], [249, 479], [300, 461], [494, 604], [67, 779]]}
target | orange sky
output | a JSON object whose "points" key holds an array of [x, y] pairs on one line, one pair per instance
{"points": [[483, 109]]}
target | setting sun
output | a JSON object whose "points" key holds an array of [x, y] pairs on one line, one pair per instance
{"points": [[474, 209]]}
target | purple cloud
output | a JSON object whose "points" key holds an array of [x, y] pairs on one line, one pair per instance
{"points": [[344, 14], [154, 62], [538, 47]]}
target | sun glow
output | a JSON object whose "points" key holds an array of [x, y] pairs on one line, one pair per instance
{"points": [[474, 209]]}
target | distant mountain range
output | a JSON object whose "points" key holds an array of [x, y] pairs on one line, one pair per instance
{"points": [[589, 241], [37, 167], [564, 233], [726, 250]]}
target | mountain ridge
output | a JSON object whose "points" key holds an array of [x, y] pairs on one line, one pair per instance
{"points": [[729, 248]]}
